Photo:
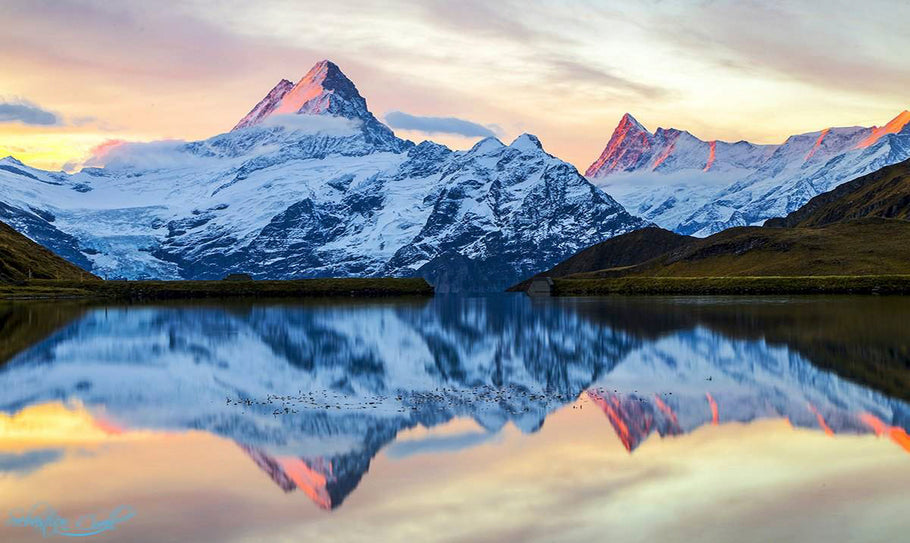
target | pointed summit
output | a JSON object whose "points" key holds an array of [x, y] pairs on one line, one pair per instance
{"points": [[629, 144], [628, 120], [324, 90], [486, 146], [527, 143]]}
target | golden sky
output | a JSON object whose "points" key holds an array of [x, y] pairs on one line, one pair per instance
{"points": [[571, 481], [565, 71]]}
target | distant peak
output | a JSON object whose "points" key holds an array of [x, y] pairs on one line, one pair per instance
{"points": [[325, 63], [526, 142], [628, 145], [10, 159], [487, 145], [322, 71], [628, 120], [323, 90]]}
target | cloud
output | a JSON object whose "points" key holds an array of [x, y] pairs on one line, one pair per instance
{"points": [[117, 154], [440, 125], [571, 71], [23, 111], [791, 41], [28, 462]]}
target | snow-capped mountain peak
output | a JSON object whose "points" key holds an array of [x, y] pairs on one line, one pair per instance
{"points": [[628, 144], [697, 187], [324, 90], [487, 146], [527, 143], [311, 184]]}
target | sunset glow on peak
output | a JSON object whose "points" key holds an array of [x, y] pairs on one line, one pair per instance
{"points": [[893, 127]]}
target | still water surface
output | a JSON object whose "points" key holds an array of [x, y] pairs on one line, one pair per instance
{"points": [[463, 419]]}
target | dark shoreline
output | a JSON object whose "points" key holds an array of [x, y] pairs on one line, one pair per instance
{"points": [[186, 290], [716, 286]]}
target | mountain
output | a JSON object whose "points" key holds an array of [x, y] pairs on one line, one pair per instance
{"points": [[22, 259], [311, 184], [858, 228], [312, 393], [621, 251], [697, 187], [882, 194]]}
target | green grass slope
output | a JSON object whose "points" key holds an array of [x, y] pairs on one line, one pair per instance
{"points": [[859, 229], [619, 252], [860, 247], [884, 194], [20, 256]]}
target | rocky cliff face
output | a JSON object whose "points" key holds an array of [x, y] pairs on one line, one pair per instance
{"points": [[697, 187], [311, 184]]}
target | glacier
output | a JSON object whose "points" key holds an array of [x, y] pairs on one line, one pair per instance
{"points": [[311, 184]]}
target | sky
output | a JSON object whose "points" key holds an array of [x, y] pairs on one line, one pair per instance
{"points": [[571, 481], [77, 73]]}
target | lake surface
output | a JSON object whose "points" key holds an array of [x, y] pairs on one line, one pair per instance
{"points": [[460, 419]]}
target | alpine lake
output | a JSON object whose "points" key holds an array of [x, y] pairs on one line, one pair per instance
{"points": [[458, 419]]}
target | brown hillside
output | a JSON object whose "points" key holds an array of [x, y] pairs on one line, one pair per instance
{"points": [[20, 255], [884, 194]]}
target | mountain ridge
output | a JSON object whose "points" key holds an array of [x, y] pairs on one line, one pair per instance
{"points": [[858, 228], [697, 187], [322, 190]]}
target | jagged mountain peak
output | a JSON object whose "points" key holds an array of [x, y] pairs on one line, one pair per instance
{"points": [[697, 187], [527, 142], [628, 120], [323, 90], [10, 159], [486, 146], [629, 143]]}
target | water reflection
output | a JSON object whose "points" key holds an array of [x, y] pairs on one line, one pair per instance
{"points": [[311, 393]]}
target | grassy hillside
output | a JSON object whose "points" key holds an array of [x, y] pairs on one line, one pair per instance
{"points": [[882, 194], [20, 256], [861, 228], [619, 252], [862, 247]]}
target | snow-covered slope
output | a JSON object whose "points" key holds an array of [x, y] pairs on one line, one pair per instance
{"points": [[700, 187], [311, 184]]}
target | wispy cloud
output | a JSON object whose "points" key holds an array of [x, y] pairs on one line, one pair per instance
{"points": [[440, 125], [23, 111], [28, 462], [572, 71]]}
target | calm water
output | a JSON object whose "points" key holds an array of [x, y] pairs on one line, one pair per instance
{"points": [[460, 419]]}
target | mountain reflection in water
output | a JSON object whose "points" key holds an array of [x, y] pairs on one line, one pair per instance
{"points": [[312, 392]]}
